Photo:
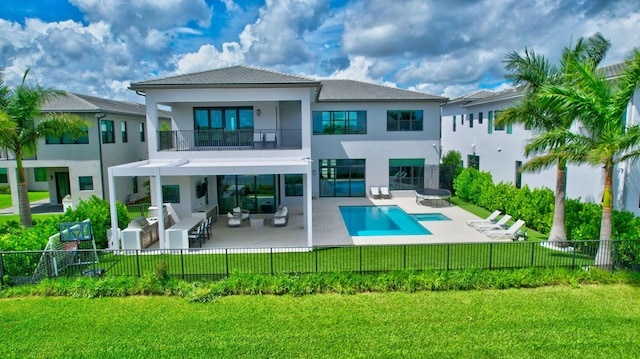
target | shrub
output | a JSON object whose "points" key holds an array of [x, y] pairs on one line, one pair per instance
{"points": [[97, 211], [5, 189]]}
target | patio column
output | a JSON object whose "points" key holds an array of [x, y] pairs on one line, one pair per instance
{"points": [[114, 241], [308, 225], [160, 205]]}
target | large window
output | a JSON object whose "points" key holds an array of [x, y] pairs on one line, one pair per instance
{"points": [[86, 183], [293, 185], [404, 120], [255, 193], [123, 130], [406, 173], [40, 174], [67, 139], [107, 131], [223, 126], [473, 161], [470, 120], [339, 122], [342, 178], [497, 127]]}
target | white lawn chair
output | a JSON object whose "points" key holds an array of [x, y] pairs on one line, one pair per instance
{"points": [[281, 217], [490, 226], [375, 193], [384, 192], [510, 232], [242, 213], [234, 220], [489, 219]]}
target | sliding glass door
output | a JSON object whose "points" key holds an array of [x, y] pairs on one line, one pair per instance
{"points": [[254, 193], [342, 178]]}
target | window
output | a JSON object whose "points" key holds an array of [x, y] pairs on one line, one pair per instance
{"points": [[123, 129], [490, 123], [498, 127], [342, 178], [134, 184], [86, 183], [518, 174], [509, 129], [67, 139], [473, 161], [339, 122], [40, 174], [404, 120], [3, 175], [171, 194], [406, 173], [461, 120], [223, 126], [470, 120], [142, 135], [480, 118], [293, 185], [107, 131], [454, 123]]}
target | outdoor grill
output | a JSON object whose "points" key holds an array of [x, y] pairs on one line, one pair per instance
{"points": [[140, 233]]}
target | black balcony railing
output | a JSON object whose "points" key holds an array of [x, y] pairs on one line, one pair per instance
{"points": [[214, 263], [219, 140]]}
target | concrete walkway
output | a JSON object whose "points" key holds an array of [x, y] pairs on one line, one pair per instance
{"points": [[38, 207]]}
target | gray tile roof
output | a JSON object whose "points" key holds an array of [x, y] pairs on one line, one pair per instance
{"points": [[349, 90], [77, 103], [613, 70], [472, 96], [510, 93], [240, 76]]}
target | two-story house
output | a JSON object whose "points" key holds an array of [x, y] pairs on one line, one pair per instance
{"points": [[468, 126], [258, 139], [64, 166]]}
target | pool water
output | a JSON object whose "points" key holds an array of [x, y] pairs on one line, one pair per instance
{"points": [[427, 217], [380, 221]]}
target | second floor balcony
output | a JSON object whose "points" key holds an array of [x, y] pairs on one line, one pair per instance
{"points": [[234, 140]]}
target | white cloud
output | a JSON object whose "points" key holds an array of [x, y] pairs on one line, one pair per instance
{"points": [[208, 57]]}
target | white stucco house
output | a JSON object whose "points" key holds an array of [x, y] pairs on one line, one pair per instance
{"points": [[258, 139], [468, 127], [115, 134]]}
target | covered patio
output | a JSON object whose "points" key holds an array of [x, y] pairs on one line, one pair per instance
{"points": [[329, 228]]}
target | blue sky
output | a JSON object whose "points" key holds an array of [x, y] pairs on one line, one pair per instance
{"points": [[97, 47]]}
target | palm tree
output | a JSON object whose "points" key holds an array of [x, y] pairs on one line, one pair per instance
{"points": [[22, 125], [599, 106], [533, 72]]}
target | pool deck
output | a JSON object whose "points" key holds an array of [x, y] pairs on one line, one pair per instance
{"points": [[329, 228]]}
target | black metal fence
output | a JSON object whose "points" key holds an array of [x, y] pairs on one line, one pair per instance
{"points": [[190, 264]]}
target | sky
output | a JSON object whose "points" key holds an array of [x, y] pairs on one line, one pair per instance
{"points": [[448, 48]]}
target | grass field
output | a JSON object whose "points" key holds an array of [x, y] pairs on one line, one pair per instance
{"points": [[5, 199], [599, 321]]}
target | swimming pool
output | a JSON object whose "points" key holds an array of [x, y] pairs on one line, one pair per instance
{"points": [[428, 217], [380, 221]]}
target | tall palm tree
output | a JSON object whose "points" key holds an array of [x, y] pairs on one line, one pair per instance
{"points": [[599, 106], [22, 125], [534, 71]]}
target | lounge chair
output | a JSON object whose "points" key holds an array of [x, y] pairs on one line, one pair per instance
{"points": [[491, 226], [510, 232], [234, 220], [384, 192], [281, 217], [375, 193], [243, 213], [489, 219]]}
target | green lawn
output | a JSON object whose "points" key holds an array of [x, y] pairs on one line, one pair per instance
{"points": [[5, 199], [599, 321]]}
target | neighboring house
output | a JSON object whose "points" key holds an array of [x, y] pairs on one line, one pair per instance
{"points": [[468, 126], [259, 139], [116, 134]]}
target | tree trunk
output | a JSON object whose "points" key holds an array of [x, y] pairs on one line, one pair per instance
{"points": [[603, 257], [558, 234], [23, 195]]}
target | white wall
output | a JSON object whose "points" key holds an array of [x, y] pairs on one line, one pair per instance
{"points": [[379, 145]]}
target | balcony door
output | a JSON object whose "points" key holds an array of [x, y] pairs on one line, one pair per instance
{"points": [[223, 126]]}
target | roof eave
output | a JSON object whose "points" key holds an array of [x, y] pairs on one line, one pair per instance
{"points": [[143, 87]]}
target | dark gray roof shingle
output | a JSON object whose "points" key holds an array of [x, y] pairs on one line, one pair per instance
{"points": [[229, 76], [77, 103], [349, 90]]}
